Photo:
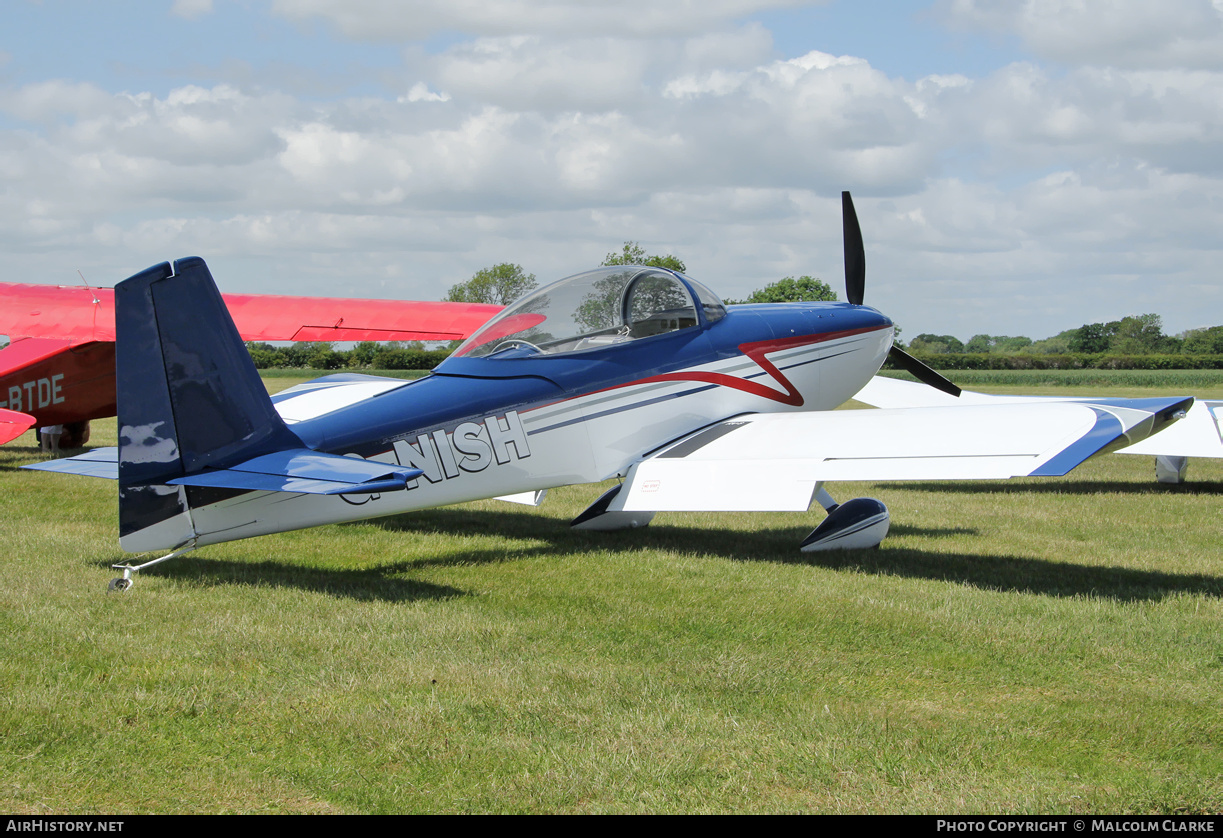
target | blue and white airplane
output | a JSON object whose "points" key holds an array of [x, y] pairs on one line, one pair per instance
{"points": [[635, 373]]}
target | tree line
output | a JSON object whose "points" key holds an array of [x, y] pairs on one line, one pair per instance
{"points": [[1135, 335], [1118, 343]]}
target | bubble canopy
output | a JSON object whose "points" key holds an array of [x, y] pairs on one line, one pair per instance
{"points": [[593, 310]]}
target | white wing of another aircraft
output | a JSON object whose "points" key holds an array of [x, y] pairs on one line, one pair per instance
{"points": [[1197, 435]]}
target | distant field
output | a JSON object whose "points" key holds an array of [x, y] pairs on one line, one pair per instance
{"points": [[1202, 383], [1028, 646]]}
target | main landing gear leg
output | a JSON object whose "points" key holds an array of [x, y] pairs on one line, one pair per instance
{"points": [[853, 525], [124, 582]]}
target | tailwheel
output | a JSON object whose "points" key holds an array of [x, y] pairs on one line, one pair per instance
{"points": [[124, 582]]}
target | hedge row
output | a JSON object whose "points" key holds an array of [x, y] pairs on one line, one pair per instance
{"points": [[1101, 361], [385, 358], [330, 359]]}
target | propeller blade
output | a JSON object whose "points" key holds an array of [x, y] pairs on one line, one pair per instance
{"points": [[922, 372], [855, 288], [855, 253]]}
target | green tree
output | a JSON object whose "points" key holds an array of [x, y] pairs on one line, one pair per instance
{"points": [[499, 285], [979, 343], [264, 355], [1011, 345], [363, 354], [936, 344], [1001, 344], [791, 290], [1059, 344], [633, 254], [1136, 335], [1093, 337], [1203, 341], [1140, 335]]}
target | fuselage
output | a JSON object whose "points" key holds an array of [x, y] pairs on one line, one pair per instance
{"points": [[518, 420], [57, 382]]}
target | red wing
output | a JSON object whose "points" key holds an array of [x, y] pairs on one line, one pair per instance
{"points": [[262, 317], [82, 314], [26, 352], [63, 312]]}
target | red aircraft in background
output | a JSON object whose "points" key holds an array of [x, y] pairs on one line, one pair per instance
{"points": [[59, 368]]}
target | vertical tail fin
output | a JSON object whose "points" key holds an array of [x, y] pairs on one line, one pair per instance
{"points": [[189, 398]]}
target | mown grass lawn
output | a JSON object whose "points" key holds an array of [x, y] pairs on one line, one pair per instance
{"points": [[1024, 646]]}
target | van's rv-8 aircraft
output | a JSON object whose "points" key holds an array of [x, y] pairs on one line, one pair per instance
{"points": [[628, 372]]}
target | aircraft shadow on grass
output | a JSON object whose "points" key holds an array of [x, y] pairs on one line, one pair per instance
{"points": [[384, 583], [21, 454], [1059, 487], [531, 535]]}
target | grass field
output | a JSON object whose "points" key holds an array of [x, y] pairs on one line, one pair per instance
{"points": [[1031, 646]]}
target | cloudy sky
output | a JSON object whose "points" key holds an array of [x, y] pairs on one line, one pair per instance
{"points": [[1019, 166]]}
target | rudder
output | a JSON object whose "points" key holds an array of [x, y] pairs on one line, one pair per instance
{"points": [[189, 398]]}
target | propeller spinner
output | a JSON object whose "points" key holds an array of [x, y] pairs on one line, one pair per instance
{"points": [[855, 289]]}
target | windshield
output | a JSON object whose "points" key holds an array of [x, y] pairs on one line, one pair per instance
{"points": [[593, 309]]}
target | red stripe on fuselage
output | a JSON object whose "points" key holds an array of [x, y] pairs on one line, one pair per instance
{"points": [[756, 350]]}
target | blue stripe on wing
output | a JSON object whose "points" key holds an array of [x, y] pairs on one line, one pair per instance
{"points": [[1109, 430]]}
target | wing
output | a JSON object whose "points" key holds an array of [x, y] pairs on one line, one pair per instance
{"points": [[13, 424], [1199, 434], [61, 312], [262, 317], [81, 314], [775, 461]]}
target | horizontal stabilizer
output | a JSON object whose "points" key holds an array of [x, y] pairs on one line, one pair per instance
{"points": [[303, 471], [98, 462], [14, 424]]}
